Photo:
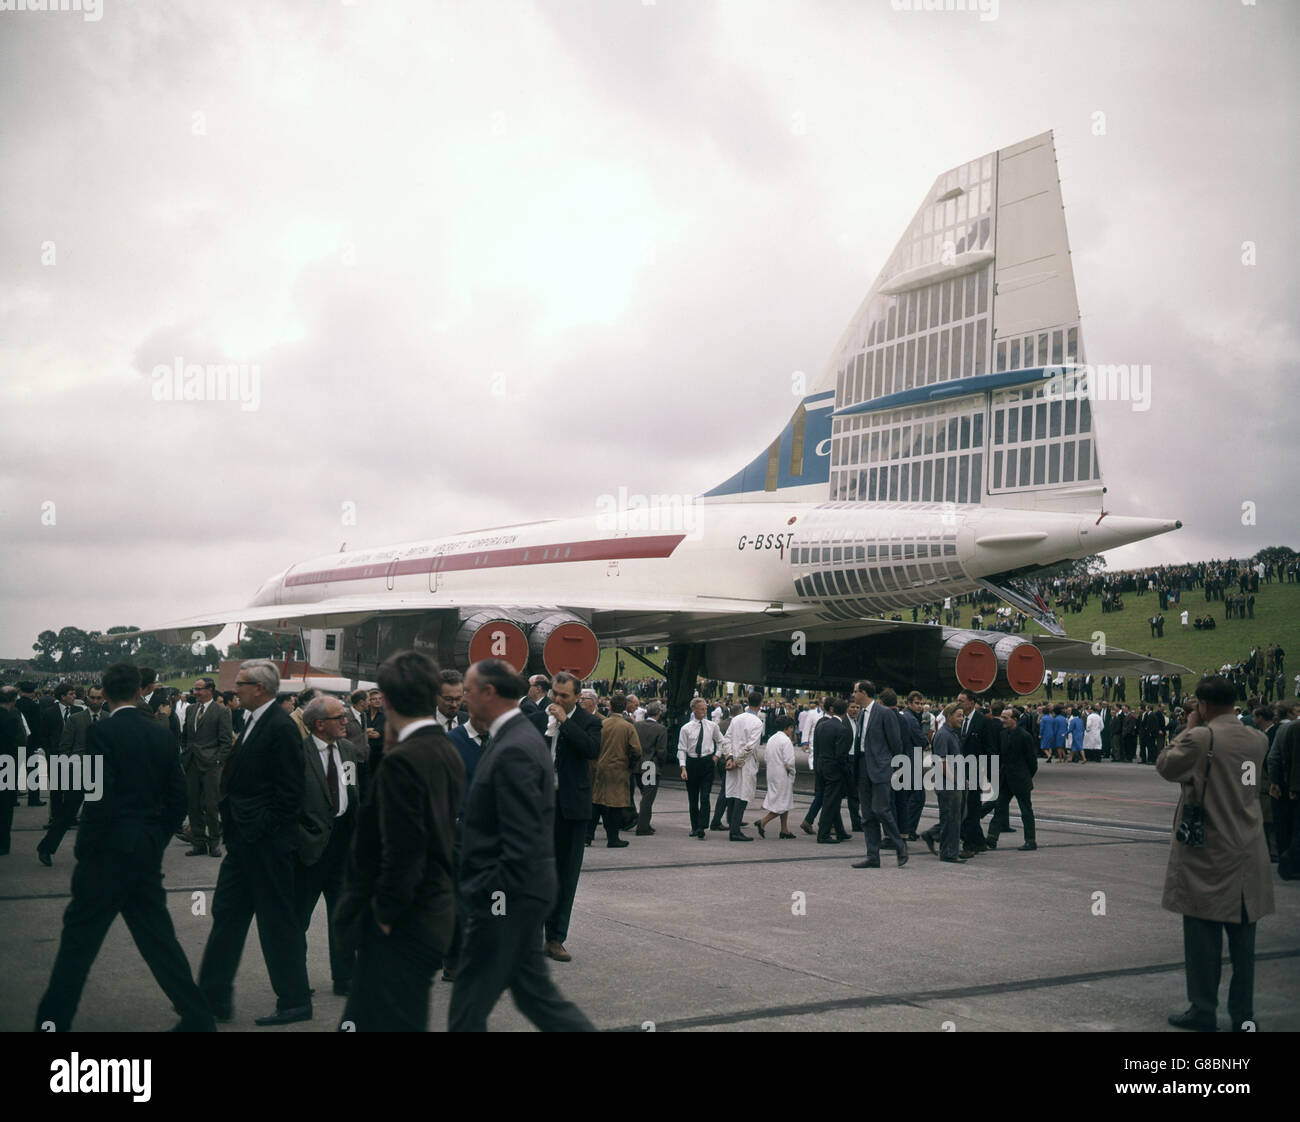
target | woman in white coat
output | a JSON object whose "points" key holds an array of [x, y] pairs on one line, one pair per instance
{"points": [[780, 778]]}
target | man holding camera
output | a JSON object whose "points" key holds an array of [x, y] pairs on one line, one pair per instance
{"points": [[1218, 876]]}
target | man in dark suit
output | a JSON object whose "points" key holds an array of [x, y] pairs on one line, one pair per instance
{"points": [[539, 685], [12, 737], [325, 826], [507, 871], [205, 744], [398, 905], [471, 742], [980, 740], [1017, 765], [54, 719], [573, 737], [230, 700], [832, 739], [72, 742], [882, 742], [119, 861], [29, 712], [261, 798]]}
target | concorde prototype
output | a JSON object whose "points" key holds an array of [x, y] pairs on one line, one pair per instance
{"points": [[949, 446]]}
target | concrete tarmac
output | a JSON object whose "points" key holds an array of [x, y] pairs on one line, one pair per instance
{"points": [[675, 933]]}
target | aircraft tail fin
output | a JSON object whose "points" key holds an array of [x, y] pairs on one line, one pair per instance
{"points": [[960, 378]]}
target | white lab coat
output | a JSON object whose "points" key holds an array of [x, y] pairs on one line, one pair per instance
{"points": [[780, 774], [1092, 733], [743, 736]]}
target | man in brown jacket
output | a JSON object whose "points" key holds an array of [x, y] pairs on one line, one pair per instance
{"points": [[620, 753], [1225, 884]]}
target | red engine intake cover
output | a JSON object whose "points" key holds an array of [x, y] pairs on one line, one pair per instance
{"points": [[976, 666], [1025, 668], [572, 647], [499, 638]]}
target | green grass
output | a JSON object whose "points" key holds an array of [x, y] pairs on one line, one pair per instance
{"points": [[1277, 620]]}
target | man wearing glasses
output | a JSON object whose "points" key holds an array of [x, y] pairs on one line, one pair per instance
{"points": [[261, 796], [205, 744], [325, 826]]}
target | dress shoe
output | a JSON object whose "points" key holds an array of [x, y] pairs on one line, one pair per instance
{"points": [[199, 850], [806, 827], [867, 864], [222, 1014], [1196, 1021], [1010, 830], [717, 826], [740, 838], [699, 834], [954, 860], [216, 851], [448, 975], [902, 857], [791, 837], [929, 842], [991, 844], [966, 854], [1027, 846], [285, 1016], [644, 833], [617, 843], [843, 837], [759, 827], [184, 835], [828, 841], [556, 951], [43, 858], [342, 989]]}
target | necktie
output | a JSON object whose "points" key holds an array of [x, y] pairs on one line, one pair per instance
{"points": [[699, 744], [484, 741], [332, 781]]}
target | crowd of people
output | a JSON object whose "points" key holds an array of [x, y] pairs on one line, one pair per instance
{"points": [[393, 806]]}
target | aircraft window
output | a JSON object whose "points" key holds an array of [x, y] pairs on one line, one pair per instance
{"points": [[1013, 418], [911, 312], [1054, 413], [1015, 354], [923, 309], [1002, 357], [1085, 459], [1072, 345], [997, 469], [909, 365], [1067, 468], [1025, 456], [1040, 420], [976, 476], [904, 484], [963, 479], [890, 318], [977, 431], [950, 549], [950, 480], [1053, 463], [1056, 348], [1011, 469], [1040, 464], [1071, 414], [952, 434], [965, 433], [1085, 416], [916, 483], [969, 305], [926, 481], [945, 313]]}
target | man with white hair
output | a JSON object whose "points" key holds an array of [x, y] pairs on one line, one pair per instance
{"points": [[261, 792]]}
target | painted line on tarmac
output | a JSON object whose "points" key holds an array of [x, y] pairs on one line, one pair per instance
{"points": [[920, 997]]}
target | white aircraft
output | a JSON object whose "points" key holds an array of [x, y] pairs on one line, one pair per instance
{"points": [[949, 446]]}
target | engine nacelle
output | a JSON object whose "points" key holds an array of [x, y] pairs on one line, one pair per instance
{"points": [[561, 641], [489, 634], [970, 660], [1020, 665]]}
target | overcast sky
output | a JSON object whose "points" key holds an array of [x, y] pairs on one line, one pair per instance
{"points": [[494, 260]]}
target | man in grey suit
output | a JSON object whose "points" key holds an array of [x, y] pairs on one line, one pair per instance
{"points": [[654, 758], [882, 741], [205, 743], [325, 824], [507, 881]]}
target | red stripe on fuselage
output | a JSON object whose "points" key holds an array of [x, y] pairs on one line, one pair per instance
{"points": [[616, 549]]}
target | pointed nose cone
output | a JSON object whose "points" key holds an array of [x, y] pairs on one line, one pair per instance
{"points": [[1113, 530]]}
